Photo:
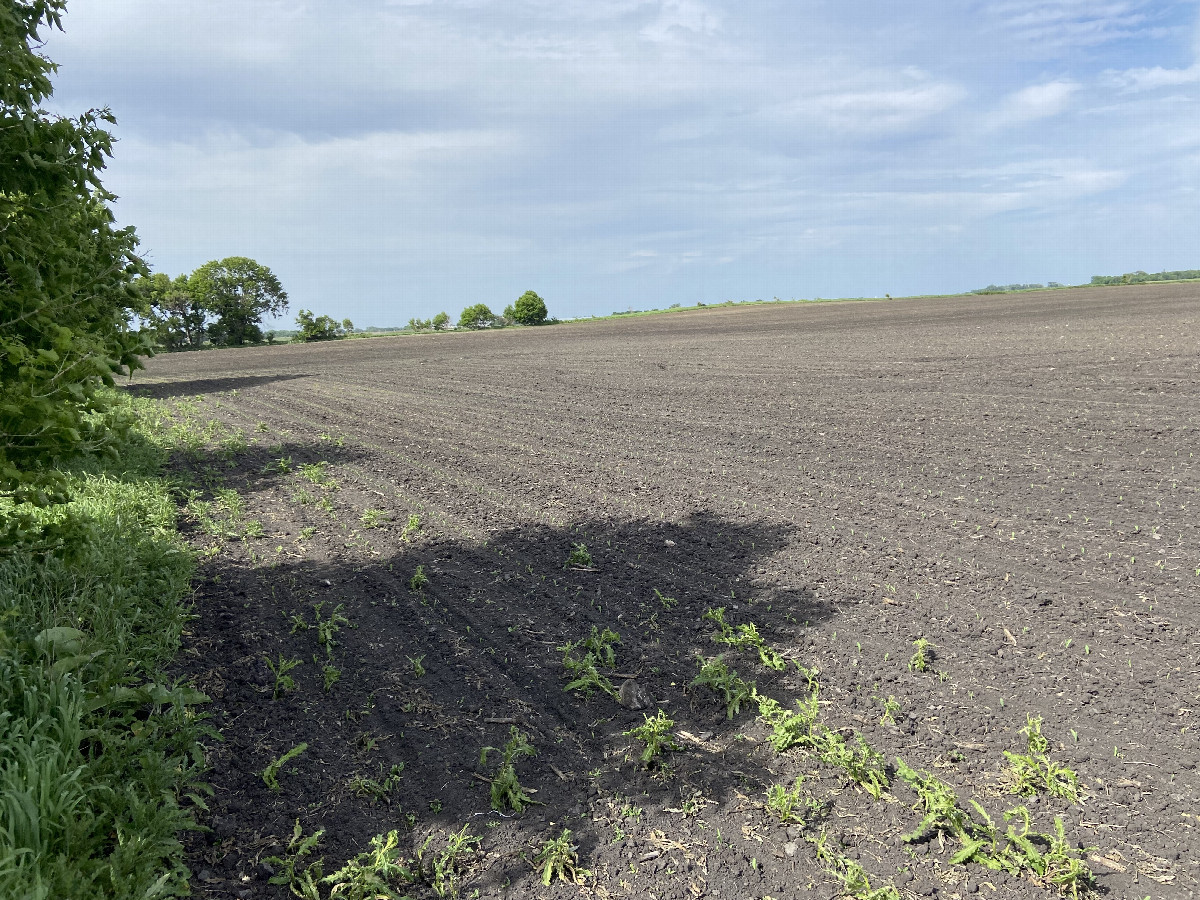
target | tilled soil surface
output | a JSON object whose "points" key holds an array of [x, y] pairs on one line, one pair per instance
{"points": [[1010, 478]]}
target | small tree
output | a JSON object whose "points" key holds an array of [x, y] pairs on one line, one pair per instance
{"points": [[176, 317], [239, 291], [441, 321], [530, 309], [477, 316], [320, 328]]}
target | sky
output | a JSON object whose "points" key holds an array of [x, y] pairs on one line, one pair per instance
{"points": [[396, 158]]}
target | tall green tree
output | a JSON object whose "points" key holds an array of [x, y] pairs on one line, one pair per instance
{"points": [[175, 315], [530, 309], [321, 328], [239, 292], [66, 271]]}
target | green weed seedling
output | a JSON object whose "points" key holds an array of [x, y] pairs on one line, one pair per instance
{"points": [[283, 681], [865, 765], [331, 675], [786, 804], [582, 659], [270, 774], [315, 472], [579, 558], [667, 602], [440, 870], [291, 868], [373, 518], [744, 637], [714, 673], [373, 875], [655, 733], [506, 791], [283, 466], [1034, 771], [559, 858], [377, 788], [327, 629], [418, 669], [419, 580], [788, 729], [923, 655], [411, 527], [890, 707]]}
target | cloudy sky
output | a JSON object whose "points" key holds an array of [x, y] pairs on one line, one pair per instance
{"points": [[399, 157]]}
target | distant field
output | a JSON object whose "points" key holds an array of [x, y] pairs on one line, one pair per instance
{"points": [[1010, 478]]}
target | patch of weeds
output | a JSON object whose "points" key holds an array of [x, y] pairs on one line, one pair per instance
{"points": [[316, 473], [922, 656], [582, 658], [788, 729], [283, 681], [253, 529], [283, 466], [441, 870], [714, 673], [865, 765], [1049, 857], [331, 675], [307, 532], [506, 791], [418, 580], [857, 884], [326, 506], [786, 804], [559, 858], [655, 733], [744, 636], [293, 868], [270, 775], [891, 706], [1034, 771], [418, 670], [373, 518], [377, 788], [667, 602], [302, 497], [579, 558], [327, 629], [411, 527], [373, 875]]}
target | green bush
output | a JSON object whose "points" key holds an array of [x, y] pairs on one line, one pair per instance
{"points": [[530, 309], [477, 316]]}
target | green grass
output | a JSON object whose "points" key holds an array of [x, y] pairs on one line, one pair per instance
{"points": [[100, 756]]}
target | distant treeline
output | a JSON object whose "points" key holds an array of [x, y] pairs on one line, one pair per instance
{"points": [[1004, 288], [1140, 277]]}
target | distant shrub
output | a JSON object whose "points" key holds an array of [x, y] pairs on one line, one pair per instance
{"points": [[530, 309], [477, 316]]}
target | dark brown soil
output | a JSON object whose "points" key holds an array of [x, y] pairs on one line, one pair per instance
{"points": [[1011, 478]]}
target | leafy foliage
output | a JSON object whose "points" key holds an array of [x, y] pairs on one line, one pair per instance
{"points": [[530, 309], [239, 292], [66, 271], [320, 328], [506, 791], [477, 316], [582, 657], [655, 733]]}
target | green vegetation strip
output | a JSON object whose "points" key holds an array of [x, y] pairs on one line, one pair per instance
{"points": [[100, 757]]}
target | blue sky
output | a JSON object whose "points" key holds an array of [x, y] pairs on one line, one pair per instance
{"points": [[393, 159]]}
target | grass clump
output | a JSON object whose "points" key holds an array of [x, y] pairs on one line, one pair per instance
{"points": [[582, 659], [506, 790], [91, 611], [714, 673]]}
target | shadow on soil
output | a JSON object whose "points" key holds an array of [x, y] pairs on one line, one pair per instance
{"points": [[426, 677], [168, 389]]}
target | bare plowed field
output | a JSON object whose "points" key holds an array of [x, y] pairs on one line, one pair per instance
{"points": [[944, 519]]}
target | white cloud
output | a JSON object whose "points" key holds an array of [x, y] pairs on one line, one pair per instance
{"points": [[1038, 101]]}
